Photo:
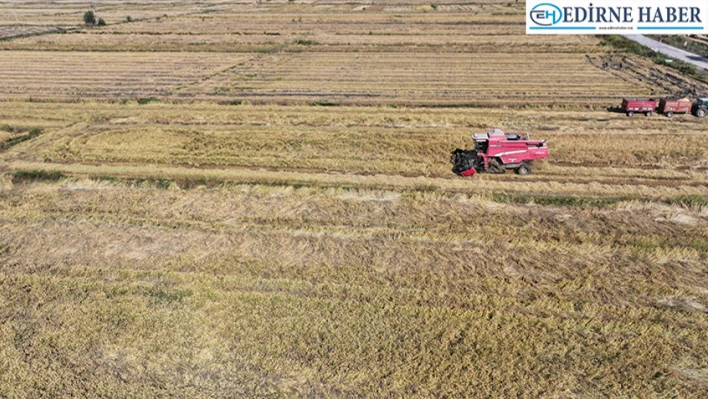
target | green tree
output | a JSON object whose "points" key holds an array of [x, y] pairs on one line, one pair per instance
{"points": [[89, 18]]}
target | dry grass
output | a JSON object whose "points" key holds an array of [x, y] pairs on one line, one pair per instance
{"points": [[278, 291], [348, 284]]}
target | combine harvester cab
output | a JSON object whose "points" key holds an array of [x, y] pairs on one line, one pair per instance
{"points": [[495, 152]]}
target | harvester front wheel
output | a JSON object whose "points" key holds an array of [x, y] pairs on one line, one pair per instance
{"points": [[649, 113], [629, 114], [524, 169], [495, 167], [669, 114]]}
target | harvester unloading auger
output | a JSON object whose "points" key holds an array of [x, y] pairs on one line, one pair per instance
{"points": [[495, 152]]}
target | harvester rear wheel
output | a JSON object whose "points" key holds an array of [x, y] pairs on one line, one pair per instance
{"points": [[524, 169], [629, 114], [649, 113]]}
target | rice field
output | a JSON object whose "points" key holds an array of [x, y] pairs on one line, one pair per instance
{"points": [[302, 78], [68, 14], [338, 53], [255, 200], [71, 76]]}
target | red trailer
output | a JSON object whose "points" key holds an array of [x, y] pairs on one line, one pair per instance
{"points": [[671, 107], [645, 105]]}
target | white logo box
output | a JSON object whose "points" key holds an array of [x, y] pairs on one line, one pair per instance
{"points": [[611, 17]]}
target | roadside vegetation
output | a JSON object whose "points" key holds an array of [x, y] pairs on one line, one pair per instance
{"points": [[629, 46], [697, 45]]}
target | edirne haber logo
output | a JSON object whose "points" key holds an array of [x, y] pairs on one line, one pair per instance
{"points": [[606, 17]]}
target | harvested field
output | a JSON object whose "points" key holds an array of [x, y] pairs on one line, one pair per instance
{"points": [[69, 13], [345, 139], [75, 75], [323, 53], [300, 39], [9, 32], [259, 289], [255, 200], [435, 78], [368, 78]]}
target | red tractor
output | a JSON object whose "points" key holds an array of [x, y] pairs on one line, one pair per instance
{"points": [[495, 152]]}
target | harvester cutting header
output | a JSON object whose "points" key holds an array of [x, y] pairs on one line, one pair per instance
{"points": [[496, 151]]}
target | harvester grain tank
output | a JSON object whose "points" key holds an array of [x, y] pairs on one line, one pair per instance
{"points": [[496, 151]]}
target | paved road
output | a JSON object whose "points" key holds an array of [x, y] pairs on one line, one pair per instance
{"points": [[672, 52]]}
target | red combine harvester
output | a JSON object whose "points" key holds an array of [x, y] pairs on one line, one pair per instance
{"points": [[645, 105], [671, 107], [495, 152]]}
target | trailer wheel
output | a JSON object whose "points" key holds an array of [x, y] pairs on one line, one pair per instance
{"points": [[630, 113], [669, 114], [524, 169], [701, 113], [649, 113]]}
